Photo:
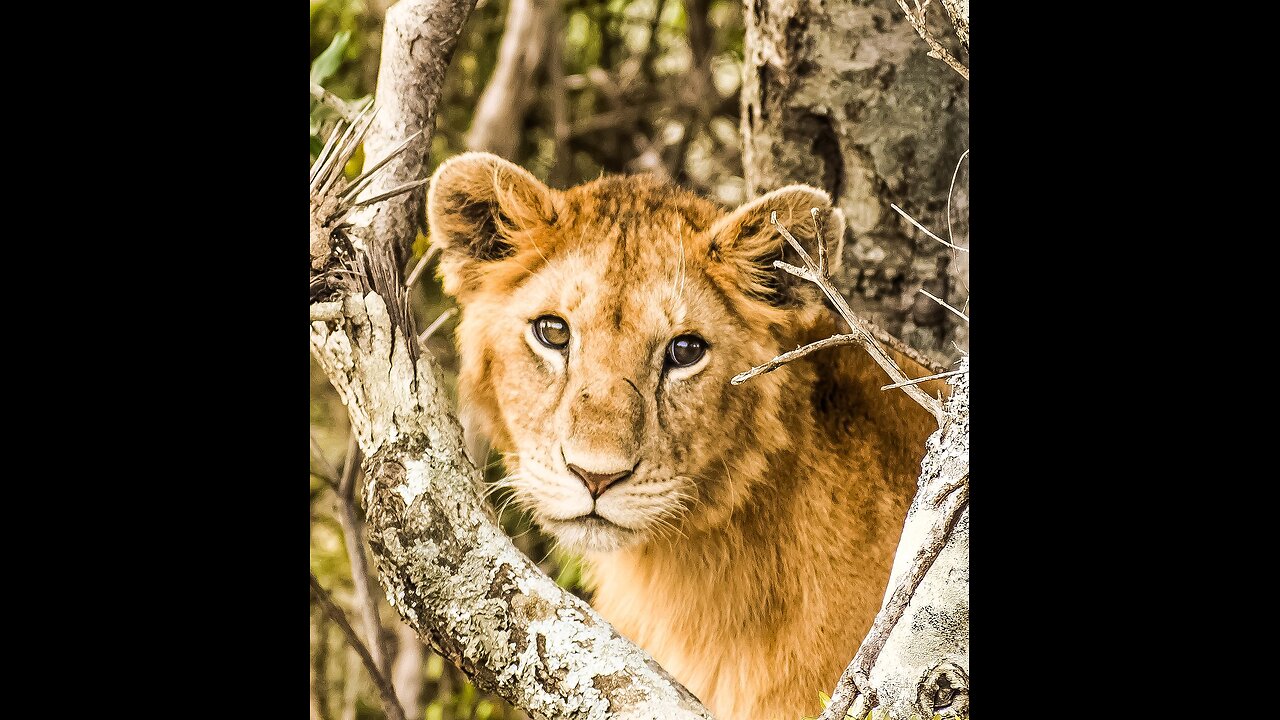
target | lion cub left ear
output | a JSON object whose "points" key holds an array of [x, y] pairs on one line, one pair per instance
{"points": [[747, 239], [482, 209]]}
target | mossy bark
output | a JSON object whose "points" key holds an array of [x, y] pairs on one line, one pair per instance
{"points": [[840, 94]]}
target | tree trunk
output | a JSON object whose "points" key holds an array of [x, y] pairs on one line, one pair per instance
{"points": [[446, 565], [924, 666], [841, 95], [406, 672], [498, 124]]}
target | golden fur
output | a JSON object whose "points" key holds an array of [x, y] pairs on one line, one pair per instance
{"points": [[749, 549]]}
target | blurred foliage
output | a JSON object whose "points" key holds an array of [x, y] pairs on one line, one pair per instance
{"points": [[628, 68]]}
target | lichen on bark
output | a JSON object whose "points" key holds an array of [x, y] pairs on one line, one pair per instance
{"points": [[842, 95], [447, 567]]}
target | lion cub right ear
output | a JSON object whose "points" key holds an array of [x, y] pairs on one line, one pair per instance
{"points": [[482, 209]]}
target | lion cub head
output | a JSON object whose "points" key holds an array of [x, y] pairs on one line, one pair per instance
{"points": [[600, 328]]}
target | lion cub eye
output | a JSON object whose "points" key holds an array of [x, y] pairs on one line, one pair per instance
{"points": [[686, 350], [551, 331]]}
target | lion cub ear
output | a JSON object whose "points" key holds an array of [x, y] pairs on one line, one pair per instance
{"points": [[482, 209], [747, 239]]}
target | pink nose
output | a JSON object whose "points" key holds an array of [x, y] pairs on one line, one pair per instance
{"points": [[597, 483]]}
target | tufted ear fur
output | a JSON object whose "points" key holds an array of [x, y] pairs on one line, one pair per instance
{"points": [[747, 240], [482, 209]]}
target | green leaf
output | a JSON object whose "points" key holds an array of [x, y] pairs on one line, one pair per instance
{"points": [[327, 62], [824, 698]]}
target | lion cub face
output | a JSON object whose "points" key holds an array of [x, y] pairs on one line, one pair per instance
{"points": [[600, 328]]}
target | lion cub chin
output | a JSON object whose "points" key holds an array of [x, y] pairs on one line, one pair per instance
{"points": [[743, 535]]}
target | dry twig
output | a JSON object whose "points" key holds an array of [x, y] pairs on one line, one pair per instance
{"points": [[926, 378], [944, 304], [389, 702], [814, 274], [435, 325], [784, 358], [926, 230], [422, 265], [916, 18], [855, 680], [348, 111]]}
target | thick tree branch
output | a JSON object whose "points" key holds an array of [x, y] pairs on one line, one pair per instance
{"points": [[940, 502], [417, 42], [447, 566]]}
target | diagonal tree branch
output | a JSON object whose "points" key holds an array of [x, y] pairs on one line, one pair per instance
{"points": [[417, 42], [446, 565], [389, 702]]}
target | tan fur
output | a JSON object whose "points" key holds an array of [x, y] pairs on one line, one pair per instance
{"points": [[749, 551]]}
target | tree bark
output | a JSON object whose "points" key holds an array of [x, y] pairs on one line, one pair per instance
{"points": [[447, 566], [841, 94], [417, 42], [924, 665], [498, 124]]}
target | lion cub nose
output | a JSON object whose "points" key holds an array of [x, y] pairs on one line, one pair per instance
{"points": [[597, 483]]}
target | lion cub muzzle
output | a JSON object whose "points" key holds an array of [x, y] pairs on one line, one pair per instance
{"points": [[606, 425]]}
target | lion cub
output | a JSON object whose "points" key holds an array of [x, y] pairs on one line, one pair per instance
{"points": [[743, 535]]}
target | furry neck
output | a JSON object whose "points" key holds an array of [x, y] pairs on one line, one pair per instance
{"points": [[788, 586]]}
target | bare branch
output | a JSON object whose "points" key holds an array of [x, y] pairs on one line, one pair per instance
{"points": [[944, 304], [418, 39], [926, 230], [822, 242], [926, 378], [936, 49], [784, 358], [950, 191], [435, 325], [348, 111], [389, 702], [958, 11], [858, 673], [422, 265], [330, 475], [855, 324], [364, 600]]}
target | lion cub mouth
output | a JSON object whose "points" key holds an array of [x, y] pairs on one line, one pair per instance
{"points": [[591, 532]]}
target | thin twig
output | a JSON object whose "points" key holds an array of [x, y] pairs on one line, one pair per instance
{"points": [[926, 230], [330, 472], [784, 358], [944, 304], [923, 379], [858, 673], [348, 111], [389, 702], [810, 273], [422, 265], [358, 184], [936, 49], [398, 190], [435, 325], [364, 601], [822, 242], [951, 190], [349, 467]]}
